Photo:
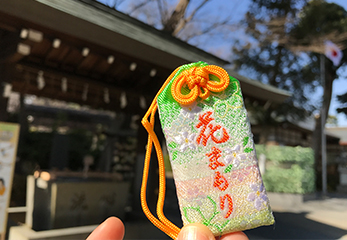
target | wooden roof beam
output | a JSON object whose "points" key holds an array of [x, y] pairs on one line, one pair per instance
{"points": [[31, 35], [19, 44], [14, 50], [80, 80], [7, 27]]}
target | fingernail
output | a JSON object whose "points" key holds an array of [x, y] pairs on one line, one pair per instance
{"points": [[194, 233]]}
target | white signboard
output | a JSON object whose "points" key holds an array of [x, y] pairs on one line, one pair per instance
{"points": [[9, 133]]}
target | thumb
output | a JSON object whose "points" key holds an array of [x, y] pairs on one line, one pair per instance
{"points": [[111, 229], [195, 231]]}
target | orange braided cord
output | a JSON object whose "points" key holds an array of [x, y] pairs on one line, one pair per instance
{"points": [[153, 219], [163, 224], [162, 180], [162, 184], [198, 81]]}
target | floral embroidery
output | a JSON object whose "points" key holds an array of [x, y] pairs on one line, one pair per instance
{"points": [[258, 196], [206, 216], [180, 125], [190, 111], [186, 140], [235, 156]]}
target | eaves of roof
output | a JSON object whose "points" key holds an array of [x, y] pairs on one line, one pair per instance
{"points": [[109, 28], [340, 132], [149, 29], [260, 90], [88, 20], [308, 125]]}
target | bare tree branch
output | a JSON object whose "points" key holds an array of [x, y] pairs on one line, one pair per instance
{"points": [[195, 11], [277, 33], [139, 6], [183, 22], [206, 30], [163, 11], [176, 17], [180, 23], [116, 3]]}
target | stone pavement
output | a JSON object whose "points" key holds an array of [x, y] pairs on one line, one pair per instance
{"points": [[305, 217], [297, 217]]}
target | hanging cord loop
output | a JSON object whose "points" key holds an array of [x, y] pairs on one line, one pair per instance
{"points": [[162, 223]]}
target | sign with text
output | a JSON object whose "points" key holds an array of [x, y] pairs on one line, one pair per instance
{"points": [[9, 133]]}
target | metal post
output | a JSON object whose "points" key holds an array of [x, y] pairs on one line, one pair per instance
{"points": [[324, 148]]}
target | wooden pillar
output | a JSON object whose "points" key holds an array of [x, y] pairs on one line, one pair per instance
{"points": [[5, 76], [23, 122], [3, 104]]}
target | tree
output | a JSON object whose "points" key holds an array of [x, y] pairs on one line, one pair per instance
{"points": [[266, 57], [292, 42], [197, 22], [322, 21]]}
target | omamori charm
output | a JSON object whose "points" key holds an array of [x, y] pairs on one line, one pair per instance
{"points": [[211, 150], [212, 153]]}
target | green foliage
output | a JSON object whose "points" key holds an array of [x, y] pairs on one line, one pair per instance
{"points": [[318, 18], [289, 169], [266, 58], [293, 180]]}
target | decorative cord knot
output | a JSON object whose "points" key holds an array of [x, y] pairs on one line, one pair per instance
{"points": [[199, 83], [196, 76]]}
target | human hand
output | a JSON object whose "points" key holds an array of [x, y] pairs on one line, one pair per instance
{"points": [[197, 231], [113, 229]]}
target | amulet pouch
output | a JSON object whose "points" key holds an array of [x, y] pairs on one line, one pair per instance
{"points": [[211, 150]]}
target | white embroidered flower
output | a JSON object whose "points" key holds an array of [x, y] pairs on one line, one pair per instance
{"points": [[185, 141], [180, 125], [190, 111], [235, 156], [258, 196]]}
